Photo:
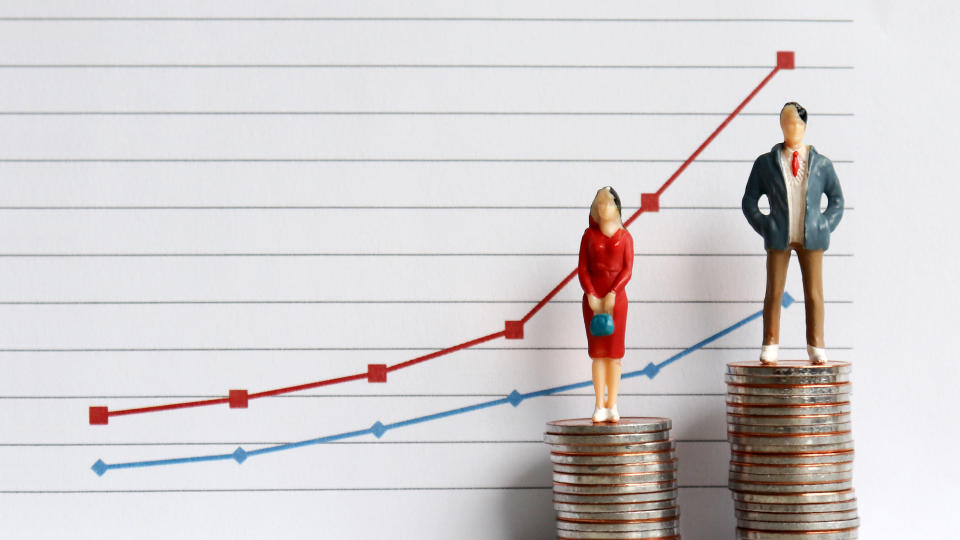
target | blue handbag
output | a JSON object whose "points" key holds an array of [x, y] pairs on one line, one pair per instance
{"points": [[601, 325]]}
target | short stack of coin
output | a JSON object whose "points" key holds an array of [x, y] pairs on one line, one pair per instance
{"points": [[791, 465], [614, 480]]}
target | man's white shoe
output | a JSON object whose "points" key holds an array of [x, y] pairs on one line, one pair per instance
{"points": [[817, 355], [614, 414], [601, 414], [769, 353]]}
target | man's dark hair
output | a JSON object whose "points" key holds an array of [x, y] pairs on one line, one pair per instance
{"points": [[800, 110]]}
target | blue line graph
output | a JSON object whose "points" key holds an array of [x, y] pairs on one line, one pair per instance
{"points": [[378, 429]]}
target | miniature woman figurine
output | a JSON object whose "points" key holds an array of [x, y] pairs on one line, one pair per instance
{"points": [[606, 265]]}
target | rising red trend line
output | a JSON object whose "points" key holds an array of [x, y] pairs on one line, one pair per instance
{"points": [[649, 202]]}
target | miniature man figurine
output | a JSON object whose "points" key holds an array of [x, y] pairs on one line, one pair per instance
{"points": [[794, 178]]}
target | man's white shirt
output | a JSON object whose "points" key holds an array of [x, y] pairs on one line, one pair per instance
{"points": [[796, 190]]}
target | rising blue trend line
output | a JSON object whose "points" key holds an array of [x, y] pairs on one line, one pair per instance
{"points": [[378, 429]]}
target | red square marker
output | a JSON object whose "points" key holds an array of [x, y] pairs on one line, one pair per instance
{"points": [[376, 373], [98, 416], [785, 59], [649, 202], [239, 399], [513, 330]]}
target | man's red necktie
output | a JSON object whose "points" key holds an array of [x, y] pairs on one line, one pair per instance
{"points": [[796, 162]]}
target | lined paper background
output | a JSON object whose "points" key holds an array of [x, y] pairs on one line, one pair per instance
{"points": [[199, 197]]}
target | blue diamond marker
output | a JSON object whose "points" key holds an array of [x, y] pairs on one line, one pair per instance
{"points": [[240, 455], [514, 398], [99, 467], [378, 429], [651, 370], [787, 300]]}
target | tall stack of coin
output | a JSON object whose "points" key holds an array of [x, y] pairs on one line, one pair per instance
{"points": [[791, 465], [614, 480]]}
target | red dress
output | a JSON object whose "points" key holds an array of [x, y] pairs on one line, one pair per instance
{"points": [[606, 264]]}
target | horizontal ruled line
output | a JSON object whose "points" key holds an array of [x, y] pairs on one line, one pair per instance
{"points": [[354, 349], [275, 490], [433, 19], [352, 302], [412, 66], [370, 160], [326, 396], [333, 443], [260, 490], [421, 254], [369, 207], [394, 113]]}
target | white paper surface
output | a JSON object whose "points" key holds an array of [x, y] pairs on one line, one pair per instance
{"points": [[200, 197]]}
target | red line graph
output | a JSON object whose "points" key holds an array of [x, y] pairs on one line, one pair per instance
{"points": [[650, 202]]}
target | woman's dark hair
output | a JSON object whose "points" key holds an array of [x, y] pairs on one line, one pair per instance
{"points": [[616, 199], [800, 110]]}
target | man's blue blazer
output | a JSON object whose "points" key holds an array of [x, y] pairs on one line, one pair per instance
{"points": [[766, 178]]}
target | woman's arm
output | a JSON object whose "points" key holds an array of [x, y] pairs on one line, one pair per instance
{"points": [[583, 273], [586, 283], [626, 272]]}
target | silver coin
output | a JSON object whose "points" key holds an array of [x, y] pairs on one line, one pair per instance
{"points": [[798, 525], [613, 439], [663, 534], [787, 379], [612, 489], [627, 478], [794, 410], [800, 420], [830, 437], [789, 430], [823, 497], [748, 400], [839, 506], [627, 424], [791, 439], [782, 488], [605, 508], [806, 457], [797, 517], [787, 390], [747, 534], [614, 459], [617, 469], [846, 466], [618, 498], [790, 449], [788, 368], [611, 450], [814, 478], [617, 527], [620, 516]]}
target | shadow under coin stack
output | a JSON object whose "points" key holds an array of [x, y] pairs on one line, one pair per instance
{"points": [[791, 465], [613, 481]]}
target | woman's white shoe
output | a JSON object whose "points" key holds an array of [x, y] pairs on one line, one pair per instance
{"points": [[601, 414], [614, 414]]}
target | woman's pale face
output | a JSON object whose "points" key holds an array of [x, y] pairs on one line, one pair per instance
{"points": [[605, 206]]}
